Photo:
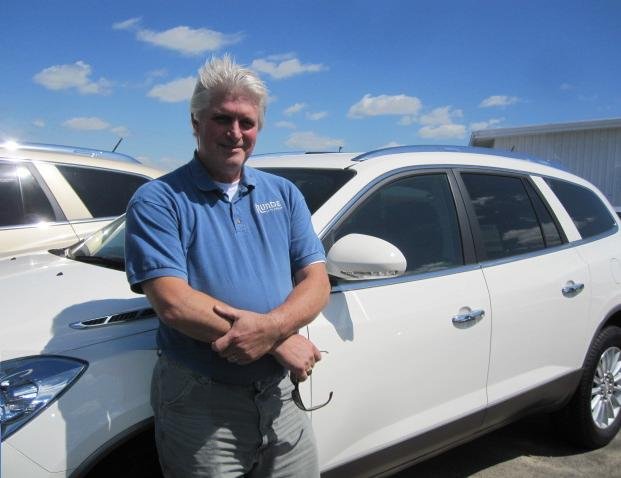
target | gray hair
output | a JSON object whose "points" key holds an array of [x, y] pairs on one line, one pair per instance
{"points": [[222, 76]]}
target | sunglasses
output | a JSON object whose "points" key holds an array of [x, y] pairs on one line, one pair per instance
{"points": [[297, 399]]}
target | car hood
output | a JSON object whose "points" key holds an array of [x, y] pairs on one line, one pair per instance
{"points": [[43, 294]]}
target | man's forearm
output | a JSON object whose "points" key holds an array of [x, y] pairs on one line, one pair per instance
{"points": [[186, 309], [309, 296]]}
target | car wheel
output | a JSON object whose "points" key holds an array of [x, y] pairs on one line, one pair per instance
{"points": [[593, 416]]}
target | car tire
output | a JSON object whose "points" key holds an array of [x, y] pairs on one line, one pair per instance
{"points": [[593, 416]]}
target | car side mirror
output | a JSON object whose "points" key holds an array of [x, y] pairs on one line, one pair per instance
{"points": [[362, 257]]}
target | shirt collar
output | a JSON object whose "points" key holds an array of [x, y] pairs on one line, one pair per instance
{"points": [[204, 182]]}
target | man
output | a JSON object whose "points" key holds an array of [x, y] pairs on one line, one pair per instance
{"points": [[214, 245]]}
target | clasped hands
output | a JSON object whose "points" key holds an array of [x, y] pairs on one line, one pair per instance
{"points": [[253, 335]]}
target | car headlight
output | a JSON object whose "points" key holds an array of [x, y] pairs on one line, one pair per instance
{"points": [[29, 384]]}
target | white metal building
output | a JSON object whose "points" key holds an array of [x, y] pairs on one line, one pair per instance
{"points": [[591, 149]]}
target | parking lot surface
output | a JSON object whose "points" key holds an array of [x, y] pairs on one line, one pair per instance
{"points": [[529, 448]]}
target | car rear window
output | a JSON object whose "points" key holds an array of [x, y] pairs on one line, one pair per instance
{"points": [[317, 185], [587, 211], [104, 193]]}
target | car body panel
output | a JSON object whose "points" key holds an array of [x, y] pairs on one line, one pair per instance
{"points": [[397, 345], [534, 311], [60, 285]]}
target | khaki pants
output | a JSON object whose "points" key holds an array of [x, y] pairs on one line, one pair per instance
{"points": [[209, 429]]}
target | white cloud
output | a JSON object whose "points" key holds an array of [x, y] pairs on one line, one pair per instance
{"points": [[385, 105], [126, 24], [120, 131], [39, 123], [91, 123], [174, 91], [391, 144], [498, 100], [76, 75], [407, 120], [188, 41], [441, 116], [310, 141], [567, 87], [285, 124], [485, 124], [294, 108], [445, 131], [286, 68], [165, 163], [316, 116]]}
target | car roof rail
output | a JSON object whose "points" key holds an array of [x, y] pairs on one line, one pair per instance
{"points": [[383, 152], [57, 148], [291, 153]]}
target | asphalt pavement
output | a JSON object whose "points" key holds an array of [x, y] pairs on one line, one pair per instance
{"points": [[529, 448]]}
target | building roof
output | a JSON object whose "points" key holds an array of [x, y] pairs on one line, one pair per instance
{"points": [[545, 128]]}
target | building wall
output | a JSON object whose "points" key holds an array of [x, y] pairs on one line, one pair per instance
{"points": [[594, 154]]}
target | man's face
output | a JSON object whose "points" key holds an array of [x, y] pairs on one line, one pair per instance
{"points": [[227, 132]]}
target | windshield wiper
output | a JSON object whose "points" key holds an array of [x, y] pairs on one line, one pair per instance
{"points": [[111, 262], [61, 252]]}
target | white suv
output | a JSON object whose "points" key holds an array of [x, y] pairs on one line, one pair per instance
{"points": [[52, 196], [469, 288]]}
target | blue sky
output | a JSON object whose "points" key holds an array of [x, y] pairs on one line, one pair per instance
{"points": [[353, 74]]}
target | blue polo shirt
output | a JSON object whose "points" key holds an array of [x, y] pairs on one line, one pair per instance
{"points": [[243, 252]]}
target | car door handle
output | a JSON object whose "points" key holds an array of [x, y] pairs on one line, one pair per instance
{"points": [[469, 316], [572, 288]]}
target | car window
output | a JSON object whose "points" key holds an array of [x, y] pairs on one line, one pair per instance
{"points": [[316, 185], [506, 217], [104, 193], [416, 214], [22, 201], [587, 211], [549, 228]]}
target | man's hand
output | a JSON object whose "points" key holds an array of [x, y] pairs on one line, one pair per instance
{"points": [[251, 335], [298, 355]]}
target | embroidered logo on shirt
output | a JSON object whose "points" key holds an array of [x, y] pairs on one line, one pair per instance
{"points": [[266, 207]]}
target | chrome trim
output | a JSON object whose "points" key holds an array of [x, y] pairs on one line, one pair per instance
{"points": [[94, 219], [572, 289], [88, 152], [473, 315], [526, 255], [367, 284], [38, 225], [114, 319]]}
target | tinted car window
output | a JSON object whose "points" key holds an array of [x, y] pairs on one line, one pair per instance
{"points": [[506, 217], [104, 193], [316, 185], [589, 214], [551, 233], [22, 201], [416, 214]]}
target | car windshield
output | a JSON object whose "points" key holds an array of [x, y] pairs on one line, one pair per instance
{"points": [[106, 247]]}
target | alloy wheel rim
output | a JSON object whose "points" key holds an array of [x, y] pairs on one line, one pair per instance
{"points": [[606, 388]]}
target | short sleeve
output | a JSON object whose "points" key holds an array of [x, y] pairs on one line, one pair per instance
{"points": [[153, 247], [305, 248]]}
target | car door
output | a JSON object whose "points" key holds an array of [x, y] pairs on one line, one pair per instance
{"points": [[397, 363], [539, 291]]}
